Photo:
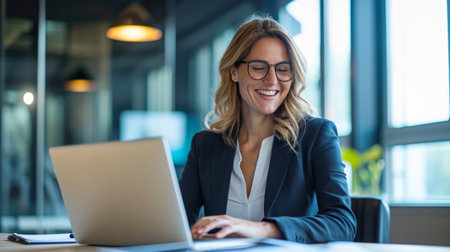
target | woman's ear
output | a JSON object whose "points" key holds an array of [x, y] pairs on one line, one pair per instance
{"points": [[233, 73]]}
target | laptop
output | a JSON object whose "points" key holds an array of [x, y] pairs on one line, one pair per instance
{"points": [[125, 193]]}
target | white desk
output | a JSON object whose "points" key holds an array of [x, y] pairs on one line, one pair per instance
{"points": [[6, 245]]}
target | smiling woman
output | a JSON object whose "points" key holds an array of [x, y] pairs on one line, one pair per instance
{"points": [[266, 168]]}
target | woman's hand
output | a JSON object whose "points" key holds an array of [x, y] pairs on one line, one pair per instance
{"points": [[233, 227]]}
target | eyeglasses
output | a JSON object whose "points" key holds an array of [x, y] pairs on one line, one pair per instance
{"points": [[259, 69]]}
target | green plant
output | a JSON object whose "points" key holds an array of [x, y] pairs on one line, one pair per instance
{"points": [[366, 169]]}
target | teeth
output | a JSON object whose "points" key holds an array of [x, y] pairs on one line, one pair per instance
{"points": [[267, 92]]}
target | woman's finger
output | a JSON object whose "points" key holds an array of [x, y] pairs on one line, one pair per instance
{"points": [[226, 231], [207, 236], [198, 226], [217, 222], [206, 224]]}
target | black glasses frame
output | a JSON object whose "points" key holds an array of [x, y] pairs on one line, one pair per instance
{"points": [[268, 69]]}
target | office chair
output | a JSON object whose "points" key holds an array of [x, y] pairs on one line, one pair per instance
{"points": [[372, 219]]}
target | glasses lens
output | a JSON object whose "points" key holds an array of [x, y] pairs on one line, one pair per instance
{"points": [[258, 70], [284, 72]]}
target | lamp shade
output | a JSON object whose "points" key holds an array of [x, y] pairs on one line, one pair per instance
{"points": [[132, 25], [80, 81]]}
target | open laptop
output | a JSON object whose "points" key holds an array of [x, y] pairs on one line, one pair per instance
{"points": [[126, 194]]}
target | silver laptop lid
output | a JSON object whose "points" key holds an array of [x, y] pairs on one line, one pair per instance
{"points": [[121, 193]]}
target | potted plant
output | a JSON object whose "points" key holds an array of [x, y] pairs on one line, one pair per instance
{"points": [[366, 169]]}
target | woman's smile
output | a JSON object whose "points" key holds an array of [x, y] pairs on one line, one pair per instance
{"points": [[267, 93]]}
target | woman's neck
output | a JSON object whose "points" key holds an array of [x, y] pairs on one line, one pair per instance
{"points": [[256, 128]]}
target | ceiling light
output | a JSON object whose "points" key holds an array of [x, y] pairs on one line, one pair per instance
{"points": [[132, 25], [80, 81], [28, 98]]}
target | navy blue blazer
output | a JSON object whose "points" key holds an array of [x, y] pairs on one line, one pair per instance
{"points": [[306, 192]]}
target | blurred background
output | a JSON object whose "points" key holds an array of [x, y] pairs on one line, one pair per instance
{"points": [[378, 68]]}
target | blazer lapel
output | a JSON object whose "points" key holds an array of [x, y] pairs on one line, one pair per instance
{"points": [[221, 182], [278, 168]]}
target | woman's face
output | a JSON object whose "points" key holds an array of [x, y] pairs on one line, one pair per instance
{"points": [[266, 95]]}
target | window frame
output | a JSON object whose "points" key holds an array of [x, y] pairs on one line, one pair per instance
{"points": [[390, 136]]}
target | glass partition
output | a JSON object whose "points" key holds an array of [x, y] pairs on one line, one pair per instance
{"points": [[18, 155]]}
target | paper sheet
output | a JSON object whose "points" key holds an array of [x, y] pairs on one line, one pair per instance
{"points": [[41, 238]]}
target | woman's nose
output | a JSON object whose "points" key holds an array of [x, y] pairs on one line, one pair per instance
{"points": [[271, 75]]}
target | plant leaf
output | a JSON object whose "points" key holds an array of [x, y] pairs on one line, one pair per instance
{"points": [[351, 156], [373, 153]]}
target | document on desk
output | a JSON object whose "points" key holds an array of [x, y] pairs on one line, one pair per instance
{"points": [[42, 238]]}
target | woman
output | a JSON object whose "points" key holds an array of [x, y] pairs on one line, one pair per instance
{"points": [[266, 169]]}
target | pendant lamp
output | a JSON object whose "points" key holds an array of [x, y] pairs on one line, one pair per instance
{"points": [[132, 25], [79, 81]]}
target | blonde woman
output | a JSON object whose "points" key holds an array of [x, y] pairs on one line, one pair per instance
{"points": [[266, 168]]}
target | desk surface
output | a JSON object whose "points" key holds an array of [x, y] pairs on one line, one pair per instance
{"points": [[6, 245]]}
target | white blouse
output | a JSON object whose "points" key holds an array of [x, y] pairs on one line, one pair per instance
{"points": [[238, 205]]}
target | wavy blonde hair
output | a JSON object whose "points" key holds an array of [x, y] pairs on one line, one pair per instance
{"points": [[291, 114]]}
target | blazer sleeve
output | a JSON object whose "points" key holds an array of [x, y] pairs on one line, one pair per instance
{"points": [[190, 183], [334, 220]]}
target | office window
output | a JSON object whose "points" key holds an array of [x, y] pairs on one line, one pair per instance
{"points": [[417, 134], [337, 64], [302, 19], [420, 172], [418, 83]]}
